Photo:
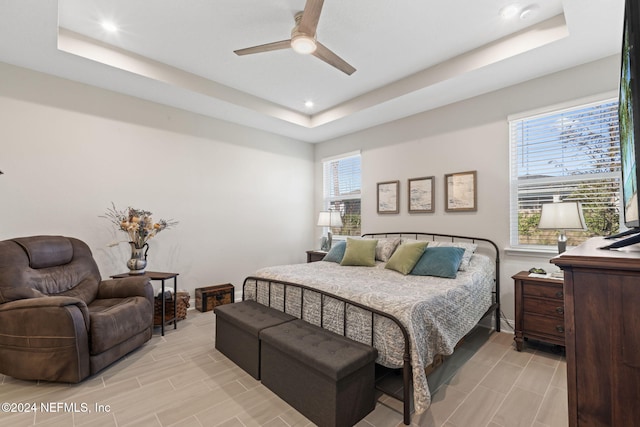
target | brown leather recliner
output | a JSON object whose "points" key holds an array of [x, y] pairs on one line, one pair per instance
{"points": [[58, 320]]}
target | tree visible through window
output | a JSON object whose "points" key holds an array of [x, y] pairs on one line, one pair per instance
{"points": [[572, 153], [342, 183]]}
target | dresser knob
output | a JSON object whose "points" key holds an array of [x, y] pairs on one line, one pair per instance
{"points": [[560, 310], [560, 328], [559, 294]]}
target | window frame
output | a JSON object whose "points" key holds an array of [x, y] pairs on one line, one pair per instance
{"points": [[514, 235], [328, 199]]}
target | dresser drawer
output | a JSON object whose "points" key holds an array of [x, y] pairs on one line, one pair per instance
{"points": [[547, 307], [552, 326], [542, 290]]}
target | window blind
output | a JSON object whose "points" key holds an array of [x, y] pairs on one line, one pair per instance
{"points": [[573, 153], [342, 191]]}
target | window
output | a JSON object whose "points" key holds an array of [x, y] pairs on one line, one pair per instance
{"points": [[572, 153], [341, 183]]}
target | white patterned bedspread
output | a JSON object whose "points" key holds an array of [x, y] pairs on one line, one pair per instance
{"points": [[436, 312]]}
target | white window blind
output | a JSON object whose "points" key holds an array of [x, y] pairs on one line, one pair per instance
{"points": [[572, 153], [342, 183]]}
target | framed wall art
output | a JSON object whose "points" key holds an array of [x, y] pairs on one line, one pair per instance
{"points": [[389, 197], [421, 194], [460, 192]]}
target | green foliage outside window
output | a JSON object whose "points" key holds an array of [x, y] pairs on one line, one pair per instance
{"points": [[601, 216]]}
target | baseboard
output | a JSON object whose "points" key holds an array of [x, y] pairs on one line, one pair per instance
{"points": [[506, 325]]}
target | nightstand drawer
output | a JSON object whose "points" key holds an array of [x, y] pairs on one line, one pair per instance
{"points": [[552, 326], [544, 306], [542, 290], [539, 304]]}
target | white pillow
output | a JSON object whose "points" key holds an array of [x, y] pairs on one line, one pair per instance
{"points": [[386, 247], [407, 240]]}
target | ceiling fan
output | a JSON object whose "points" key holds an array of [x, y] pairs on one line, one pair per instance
{"points": [[303, 39]]}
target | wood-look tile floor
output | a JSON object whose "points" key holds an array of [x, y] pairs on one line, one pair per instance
{"points": [[181, 380]]}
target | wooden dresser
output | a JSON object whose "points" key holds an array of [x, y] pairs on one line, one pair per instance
{"points": [[539, 303], [602, 334]]}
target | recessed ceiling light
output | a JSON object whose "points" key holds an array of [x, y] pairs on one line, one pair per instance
{"points": [[529, 12], [109, 26], [308, 104], [509, 11]]}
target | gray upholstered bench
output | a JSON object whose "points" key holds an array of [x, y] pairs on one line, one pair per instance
{"points": [[238, 327], [330, 379]]}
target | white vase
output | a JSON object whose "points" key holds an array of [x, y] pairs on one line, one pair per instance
{"points": [[138, 261]]}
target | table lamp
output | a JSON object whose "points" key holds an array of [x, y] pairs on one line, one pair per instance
{"points": [[561, 216], [329, 219]]}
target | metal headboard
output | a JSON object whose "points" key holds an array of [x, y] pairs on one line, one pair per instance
{"points": [[456, 238]]}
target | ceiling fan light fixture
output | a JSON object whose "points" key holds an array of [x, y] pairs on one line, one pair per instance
{"points": [[303, 39], [303, 44]]}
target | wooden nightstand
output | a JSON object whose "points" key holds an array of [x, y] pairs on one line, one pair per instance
{"points": [[315, 255], [539, 304]]}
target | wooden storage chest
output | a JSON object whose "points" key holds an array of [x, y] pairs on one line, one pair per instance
{"points": [[209, 297]]}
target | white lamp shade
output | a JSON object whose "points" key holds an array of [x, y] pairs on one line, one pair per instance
{"points": [[324, 219], [562, 216], [329, 219]]}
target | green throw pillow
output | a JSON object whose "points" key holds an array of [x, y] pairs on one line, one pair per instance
{"points": [[439, 262], [406, 256], [360, 252]]}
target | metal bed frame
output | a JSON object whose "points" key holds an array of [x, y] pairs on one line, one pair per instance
{"points": [[405, 396]]}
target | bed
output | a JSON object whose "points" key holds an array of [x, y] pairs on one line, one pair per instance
{"points": [[410, 319]]}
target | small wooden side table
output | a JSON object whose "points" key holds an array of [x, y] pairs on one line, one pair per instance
{"points": [[157, 275], [539, 303], [315, 255]]}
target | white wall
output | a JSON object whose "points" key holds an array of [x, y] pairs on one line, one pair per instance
{"points": [[468, 135], [244, 198]]}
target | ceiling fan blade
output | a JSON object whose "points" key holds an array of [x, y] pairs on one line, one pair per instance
{"points": [[310, 17], [283, 44], [332, 59]]}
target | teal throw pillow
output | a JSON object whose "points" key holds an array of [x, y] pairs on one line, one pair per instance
{"points": [[439, 262], [360, 252], [406, 256], [336, 253]]}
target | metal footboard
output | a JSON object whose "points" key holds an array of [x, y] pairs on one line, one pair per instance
{"points": [[268, 285]]}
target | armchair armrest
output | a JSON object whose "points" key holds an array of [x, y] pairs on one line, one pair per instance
{"points": [[45, 337], [50, 302], [126, 287], [44, 301]]}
